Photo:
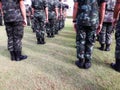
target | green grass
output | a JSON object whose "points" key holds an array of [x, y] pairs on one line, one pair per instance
{"points": [[51, 66]]}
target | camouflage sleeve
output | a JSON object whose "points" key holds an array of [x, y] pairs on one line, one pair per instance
{"points": [[32, 3], [56, 4], [75, 0], [45, 3]]}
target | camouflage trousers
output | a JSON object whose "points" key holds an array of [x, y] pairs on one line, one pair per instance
{"points": [[32, 24], [105, 34], [1, 20], [117, 38], [85, 37], [14, 32], [50, 27], [28, 20], [39, 27]]}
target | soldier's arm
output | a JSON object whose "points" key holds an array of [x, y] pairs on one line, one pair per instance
{"points": [[46, 10], [116, 13], [56, 9], [102, 12], [23, 10], [75, 10], [101, 17]]}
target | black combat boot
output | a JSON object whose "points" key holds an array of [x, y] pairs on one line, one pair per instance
{"points": [[38, 41], [102, 47], [48, 34], [107, 47], [19, 56], [12, 54], [52, 34], [87, 64], [80, 63], [43, 41], [116, 66]]}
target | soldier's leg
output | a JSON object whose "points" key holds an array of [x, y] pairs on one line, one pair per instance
{"points": [[102, 37], [37, 29], [48, 29], [18, 35], [28, 20], [42, 32], [52, 27], [1, 21], [116, 65], [89, 47], [9, 31], [80, 44], [108, 37]]}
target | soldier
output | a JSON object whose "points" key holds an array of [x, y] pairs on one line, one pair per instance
{"points": [[53, 15], [40, 8], [15, 19], [106, 32], [86, 17], [116, 19]]}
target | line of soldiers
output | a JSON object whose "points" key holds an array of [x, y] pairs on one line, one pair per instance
{"points": [[47, 16]]}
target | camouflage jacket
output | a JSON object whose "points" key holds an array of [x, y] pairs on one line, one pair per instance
{"points": [[11, 10], [39, 4], [109, 11], [88, 12], [39, 7], [52, 4]]}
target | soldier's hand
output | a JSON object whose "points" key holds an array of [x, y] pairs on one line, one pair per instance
{"points": [[46, 20], [25, 22], [114, 22], [99, 28]]}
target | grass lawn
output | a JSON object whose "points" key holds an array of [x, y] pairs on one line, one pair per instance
{"points": [[51, 66]]}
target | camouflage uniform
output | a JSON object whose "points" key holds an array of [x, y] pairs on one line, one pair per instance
{"points": [[28, 14], [14, 27], [39, 19], [57, 28], [117, 38], [61, 6], [87, 21], [52, 5], [106, 32], [13, 23], [1, 17]]}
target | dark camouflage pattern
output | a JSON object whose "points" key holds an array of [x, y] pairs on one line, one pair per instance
{"points": [[1, 17], [87, 21], [109, 10], [88, 13], [39, 17], [59, 22], [28, 13], [105, 36], [117, 38], [52, 5], [11, 11], [15, 34], [85, 41], [39, 26]]}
